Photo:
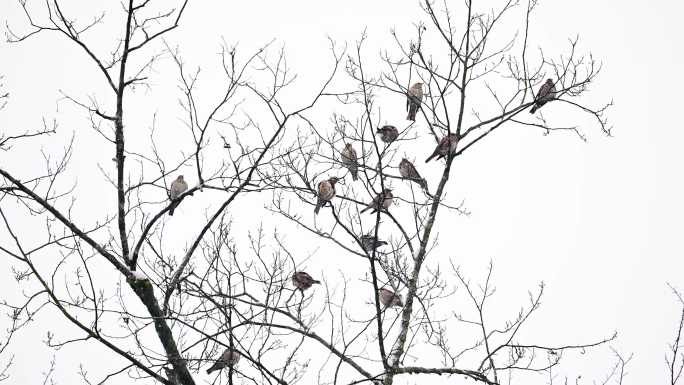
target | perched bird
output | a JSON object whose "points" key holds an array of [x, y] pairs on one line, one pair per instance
{"points": [[369, 242], [415, 96], [381, 201], [326, 192], [302, 280], [177, 187], [388, 298], [229, 357], [546, 93], [388, 134], [446, 144], [350, 160], [408, 171]]}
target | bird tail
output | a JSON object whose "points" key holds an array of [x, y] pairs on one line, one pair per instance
{"points": [[434, 154], [413, 109], [366, 208], [411, 115], [380, 243], [213, 368], [316, 282], [423, 184], [319, 204], [173, 206], [533, 109], [355, 174]]}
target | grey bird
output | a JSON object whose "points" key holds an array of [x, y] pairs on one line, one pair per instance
{"points": [[413, 100], [369, 242], [387, 133], [446, 144], [177, 188], [302, 280], [381, 201], [389, 298], [326, 192], [547, 92], [229, 358], [350, 160], [408, 171]]}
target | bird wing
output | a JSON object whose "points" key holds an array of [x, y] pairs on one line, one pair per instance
{"points": [[544, 91], [177, 189], [552, 91], [412, 171]]}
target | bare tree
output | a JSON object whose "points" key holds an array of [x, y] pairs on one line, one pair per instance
{"points": [[462, 73], [457, 64], [674, 357], [126, 239]]}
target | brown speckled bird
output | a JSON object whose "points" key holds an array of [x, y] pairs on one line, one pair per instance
{"points": [[326, 192], [383, 200], [448, 143], [388, 298], [547, 92], [350, 160], [228, 358], [408, 171], [302, 280], [387, 133], [370, 242], [177, 187], [413, 100]]}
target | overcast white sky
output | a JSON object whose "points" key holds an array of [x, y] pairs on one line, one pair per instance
{"points": [[599, 222]]}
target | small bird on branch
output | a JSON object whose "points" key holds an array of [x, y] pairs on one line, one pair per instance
{"points": [[389, 298], [229, 358], [369, 242], [408, 171], [381, 201], [413, 100], [302, 280], [387, 133], [547, 92], [326, 192], [350, 160], [446, 144], [177, 188]]}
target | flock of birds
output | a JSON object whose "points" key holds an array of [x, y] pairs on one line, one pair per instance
{"points": [[349, 159]]}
